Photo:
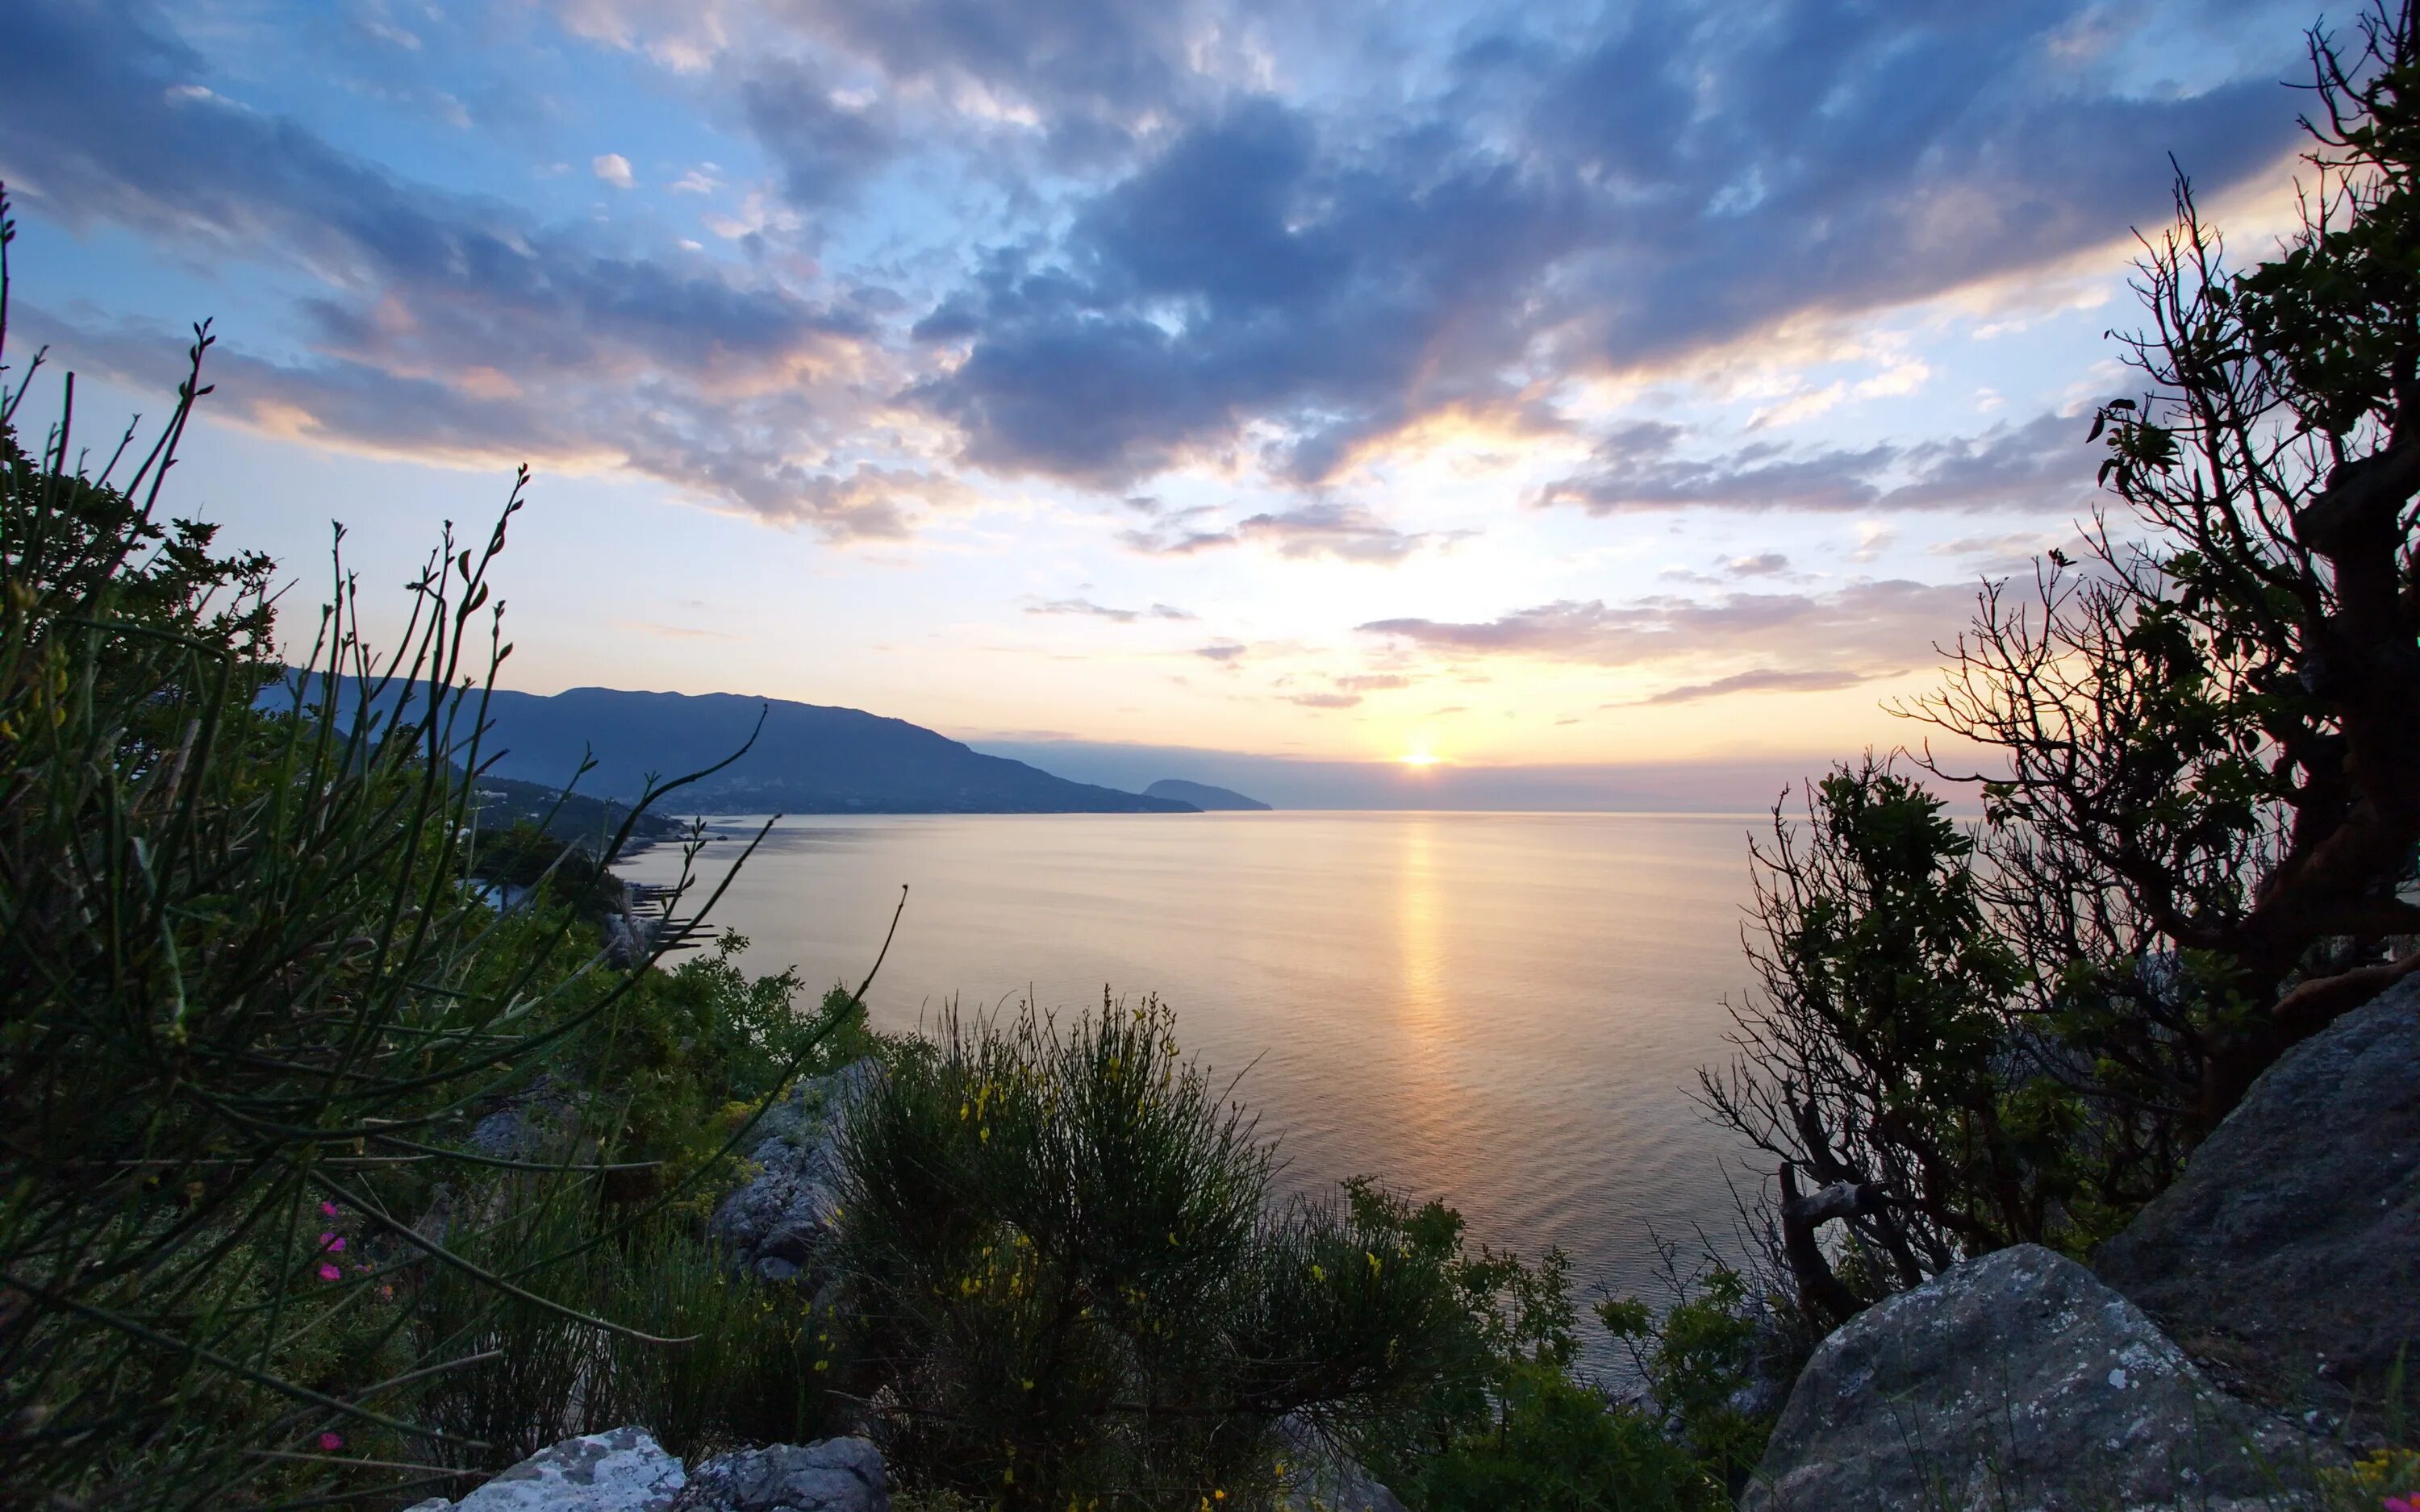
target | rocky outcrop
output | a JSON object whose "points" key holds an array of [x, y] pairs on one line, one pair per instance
{"points": [[2016, 1382], [835, 1476], [623, 1470], [2287, 1256], [626, 1471], [774, 1225]]}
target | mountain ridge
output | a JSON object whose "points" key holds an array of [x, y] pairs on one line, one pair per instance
{"points": [[1204, 797], [807, 758]]}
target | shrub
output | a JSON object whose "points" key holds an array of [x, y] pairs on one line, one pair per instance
{"points": [[1560, 1447], [1071, 1284], [1711, 1366], [249, 1002]]}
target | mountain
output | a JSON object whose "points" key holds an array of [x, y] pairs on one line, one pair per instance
{"points": [[1201, 795], [808, 759]]}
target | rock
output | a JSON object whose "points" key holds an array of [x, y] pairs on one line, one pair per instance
{"points": [[1321, 1477], [2287, 1255], [623, 1470], [833, 1475], [2015, 1383], [774, 1225]]}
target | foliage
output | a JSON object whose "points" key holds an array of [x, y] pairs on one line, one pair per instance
{"points": [[1073, 1285], [2213, 733], [748, 1364], [250, 1006], [1875, 1060], [1708, 1366], [2201, 770], [1559, 1448]]}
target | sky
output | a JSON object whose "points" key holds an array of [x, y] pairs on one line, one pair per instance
{"points": [[1532, 386]]}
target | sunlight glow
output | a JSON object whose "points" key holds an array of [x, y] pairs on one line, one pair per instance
{"points": [[1420, 757]]}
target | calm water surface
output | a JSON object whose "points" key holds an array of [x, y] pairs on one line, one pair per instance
{"points": [[1506, 1010]]}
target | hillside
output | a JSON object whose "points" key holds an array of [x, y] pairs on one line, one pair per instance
{"points": [[1202, 795], [808, 759]]}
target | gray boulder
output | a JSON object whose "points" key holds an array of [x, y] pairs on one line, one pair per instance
{"points": [[626, 1471], [623, 1470], [2015, 1383], [774, 1225], [834, 1476], [2286, 1257]]}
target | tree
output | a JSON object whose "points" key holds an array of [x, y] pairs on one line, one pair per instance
{"points": [[2212, 735], [2201, 767]]}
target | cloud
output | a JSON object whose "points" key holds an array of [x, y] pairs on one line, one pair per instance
{"points": [[1373, 682], [436, 325], [1765, 680], [1862, 628], [1297, 279], [1324, 701], [1762, 565], [826, 149], [1100, 239], [1240, 274], [1344, 531], [1103, 611], [2040, 466], [1225, 652]]}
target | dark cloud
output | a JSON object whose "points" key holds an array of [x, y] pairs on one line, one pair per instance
{"points": [[1673, 184], [436, 324], [2042, 464], [825, 148], [1864, 626], [1251, 270], [1763, 565], [1104, 611], [1766, 680]]}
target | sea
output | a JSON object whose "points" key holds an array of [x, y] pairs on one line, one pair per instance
{"points": [[1505, 1010]]}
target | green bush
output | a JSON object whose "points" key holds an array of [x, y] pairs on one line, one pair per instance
{"points": [[250, 1005], [1706, 1362], [1071, 1284], [1559, 1448]]}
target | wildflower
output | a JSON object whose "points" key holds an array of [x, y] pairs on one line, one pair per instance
{"points": [[331, 1441], [2401, 1504], [330, 1273], [328, 1208], [333, 1243]]}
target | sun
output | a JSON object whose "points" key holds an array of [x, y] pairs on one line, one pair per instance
{"points": [[1420, 757]]}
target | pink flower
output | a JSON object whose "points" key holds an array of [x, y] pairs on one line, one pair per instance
{"points": [[328, 1207], [2401, 1504], [333, 1243], [331, 1441], [329, 1273]]}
